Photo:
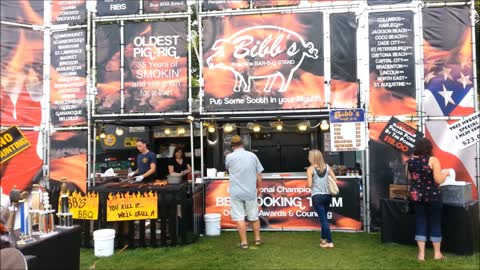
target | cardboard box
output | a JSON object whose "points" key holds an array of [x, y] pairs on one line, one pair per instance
{"points": [[398, 191]]}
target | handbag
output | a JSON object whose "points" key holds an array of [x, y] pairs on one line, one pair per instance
{"points": [[332, 186]]}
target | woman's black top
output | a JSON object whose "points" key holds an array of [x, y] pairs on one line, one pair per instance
{"points": [[177, 167]]}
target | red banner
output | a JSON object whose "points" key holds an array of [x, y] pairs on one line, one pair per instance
{"points": [[266, 62], [287, 205]]}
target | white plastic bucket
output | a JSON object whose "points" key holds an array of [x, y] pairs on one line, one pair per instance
{"points": [[103, 242], [212, 224]]}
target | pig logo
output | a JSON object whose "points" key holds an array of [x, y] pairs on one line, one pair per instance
{"points": [[245, 45]]}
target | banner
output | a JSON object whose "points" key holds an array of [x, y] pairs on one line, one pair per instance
{"points": [[345, 92], [12, 142], [287, 205], [210, 5], [83, 206], [107, 63], [392, 63], [451, 155], [400, 136], [117, 7], [156, 67], [274, 3], [68, 158], [22, 11], [134, 206], [68, 78], [448, 62], [21, 76], [69, 12], [266, 62], [466, 131], [25, 168], [386, 166], [161, 6], [347, 130]]}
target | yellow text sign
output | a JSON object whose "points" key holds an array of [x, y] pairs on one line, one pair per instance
{"points": [[12, 142], [82, 206], [132, 206]]}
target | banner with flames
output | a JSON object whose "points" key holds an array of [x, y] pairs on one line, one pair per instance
{"points": [[107, 63], [161, 6], [210, 5], [156, 73], [263, 62], [68, 74], [287, 205], [345, 92], [21, 76], [24, 12], [21, 96], [132, 206], [68, 158]]}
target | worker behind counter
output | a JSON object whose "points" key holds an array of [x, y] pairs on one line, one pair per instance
{"points": [[146, 164], [178, 164]]}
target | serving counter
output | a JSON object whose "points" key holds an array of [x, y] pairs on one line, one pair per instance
{"points": [[285, 203]]}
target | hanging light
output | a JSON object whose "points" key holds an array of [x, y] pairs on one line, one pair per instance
{"points": [[190, 118], [211, 128], [168, 131], [254, 127], [278, 125], [102, 135], [228, 128], [324, 125], [119, 131], [180, 130], [303, 126]]}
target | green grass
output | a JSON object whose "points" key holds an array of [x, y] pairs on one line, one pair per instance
{"points": [[282, 250]]}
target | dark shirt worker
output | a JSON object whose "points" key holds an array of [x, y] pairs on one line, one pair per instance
{"points": [[178, 163], [146, 163]]}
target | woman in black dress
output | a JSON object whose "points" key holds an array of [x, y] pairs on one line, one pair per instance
{"points": [[178, 163]]}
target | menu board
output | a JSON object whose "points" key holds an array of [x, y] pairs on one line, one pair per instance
{"points": [[347, 130], [400, 136], [392, 56], [68, 87]]}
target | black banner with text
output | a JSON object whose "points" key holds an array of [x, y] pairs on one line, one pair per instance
{"points": [[117, 7], [69, 12], [68, 78], [392, 62], [156, 72], [162, 6], [266, 62]]}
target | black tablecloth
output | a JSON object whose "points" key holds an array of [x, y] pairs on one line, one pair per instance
{"points": [[59, 251], [173, 226], [460, 226]]}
